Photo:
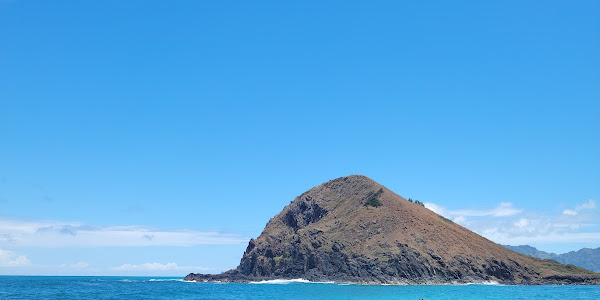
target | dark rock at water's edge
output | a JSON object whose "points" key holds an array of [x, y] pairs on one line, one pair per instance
{"points": [[354, 230]]}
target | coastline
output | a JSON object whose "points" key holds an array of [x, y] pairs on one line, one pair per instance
{"points": [[301, 280], [546, 281], [112, 287]]}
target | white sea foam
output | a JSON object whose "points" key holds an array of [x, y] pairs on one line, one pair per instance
{"points": [[281, 281], [491, 282], [484, 282], [286, 281], [166, 279]]}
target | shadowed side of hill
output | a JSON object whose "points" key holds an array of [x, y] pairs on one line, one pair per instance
{"points": [[353, 229]]}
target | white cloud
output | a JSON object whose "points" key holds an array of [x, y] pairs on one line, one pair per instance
{"points": [[522, 223], [460, 220], [504, 209], [61, 234], [579, 210], [155, 268], [506, 224], [10, 259], [147, 267], [588, 205], [435, 208], [551, 238]]}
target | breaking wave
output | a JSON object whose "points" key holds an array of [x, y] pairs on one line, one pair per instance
{"points": [[288, 281], [166, 279], [281, 281]]}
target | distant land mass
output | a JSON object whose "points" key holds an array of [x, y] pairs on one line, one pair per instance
{"points": [[354, 230], [587, 258]]}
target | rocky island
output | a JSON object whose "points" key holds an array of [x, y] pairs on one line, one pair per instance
{"points": [[355, 230]]}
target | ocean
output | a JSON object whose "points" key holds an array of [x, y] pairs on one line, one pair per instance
{"points": [[97, 287]]}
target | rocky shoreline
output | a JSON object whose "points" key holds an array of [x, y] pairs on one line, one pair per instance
{"points": [[230, 278], [234, 277]]}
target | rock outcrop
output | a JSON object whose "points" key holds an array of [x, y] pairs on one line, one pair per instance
{"points": [[352, 229]]}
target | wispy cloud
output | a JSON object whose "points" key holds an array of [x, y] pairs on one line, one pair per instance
{"points": [[11, 259], [157, 267], [24, 267], [507, 224], [504, 209], [589, 205], [17, 233]]}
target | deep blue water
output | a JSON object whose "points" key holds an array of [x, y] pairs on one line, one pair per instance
{"points": [[48, 287]]}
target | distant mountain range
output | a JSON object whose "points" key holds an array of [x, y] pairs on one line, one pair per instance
{"points": [[587, 258]]}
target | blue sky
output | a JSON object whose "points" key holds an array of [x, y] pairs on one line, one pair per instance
{"points": [[156, 138]]}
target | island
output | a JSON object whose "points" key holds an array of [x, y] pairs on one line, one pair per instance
{"points": [[354, 230]]}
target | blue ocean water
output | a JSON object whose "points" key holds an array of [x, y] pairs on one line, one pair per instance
{"points": [[48, 287]]}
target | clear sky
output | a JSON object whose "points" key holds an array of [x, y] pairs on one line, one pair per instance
{"points": [[158, 137]]}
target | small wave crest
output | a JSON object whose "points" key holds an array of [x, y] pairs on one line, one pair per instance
{"points": [[484, 282], [287, 281], [281, 281], [490, 282], [166, 279], [128, 280]]}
